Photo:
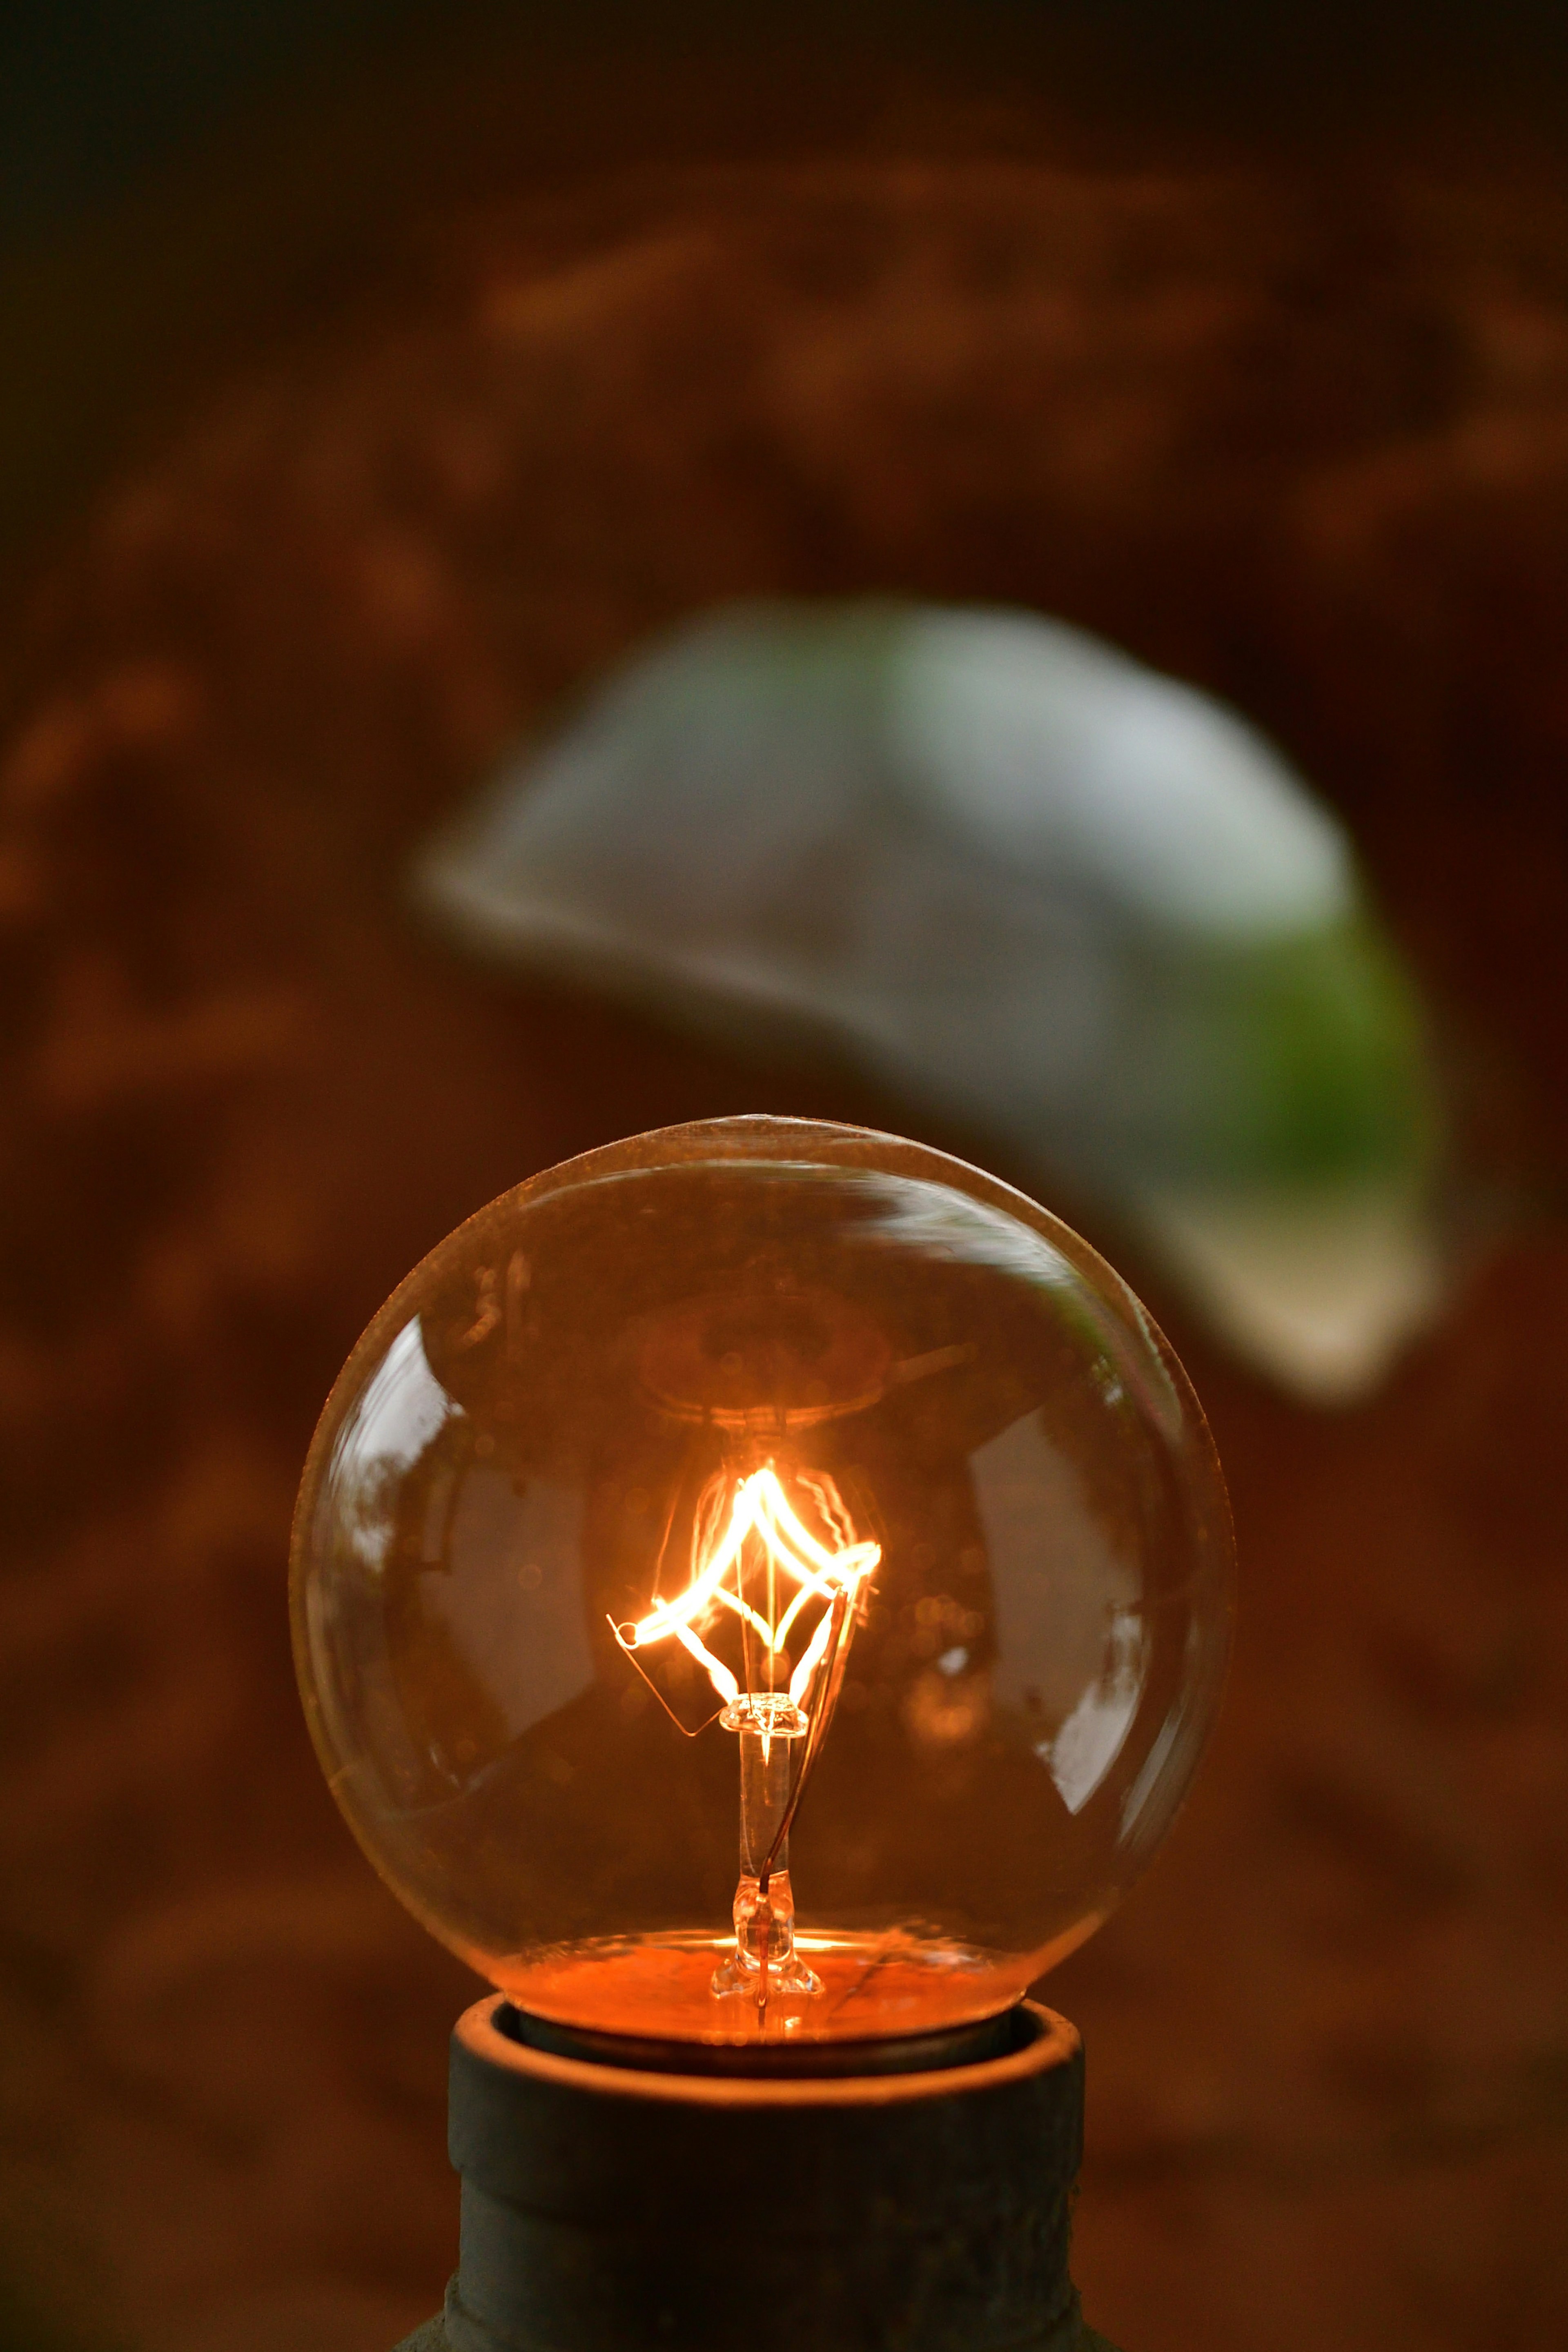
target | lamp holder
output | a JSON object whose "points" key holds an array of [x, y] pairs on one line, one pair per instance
{"points": [[619, 2196]]}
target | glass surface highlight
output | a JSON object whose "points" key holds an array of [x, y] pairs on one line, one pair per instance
{"points": [[762, 1580]]}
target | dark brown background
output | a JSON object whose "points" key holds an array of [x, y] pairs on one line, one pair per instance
{"points": [[572, 353]]}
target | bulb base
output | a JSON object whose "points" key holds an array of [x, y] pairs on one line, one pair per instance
{"points": [[612, 2204], [752, 2060]]}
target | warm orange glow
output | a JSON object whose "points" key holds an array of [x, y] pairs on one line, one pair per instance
{"points": [[764, 1535]]}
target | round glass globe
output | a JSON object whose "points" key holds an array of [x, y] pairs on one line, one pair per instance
{"points": [[761, 1579]]}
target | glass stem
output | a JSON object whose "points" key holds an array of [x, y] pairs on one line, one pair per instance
{"points": [[764, 1916], [764, 1964]]}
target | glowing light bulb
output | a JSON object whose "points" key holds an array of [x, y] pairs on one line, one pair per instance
{"points": [[771, 1468]]}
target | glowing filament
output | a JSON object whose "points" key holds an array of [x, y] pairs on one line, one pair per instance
{"points": [[762, 1511]]}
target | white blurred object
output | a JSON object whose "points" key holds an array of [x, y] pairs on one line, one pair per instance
{"points": [[1055, 753], [1319, 1285], [1075, 904]]}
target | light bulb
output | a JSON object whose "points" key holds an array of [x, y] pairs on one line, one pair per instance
{"points": [[761, 1581]]}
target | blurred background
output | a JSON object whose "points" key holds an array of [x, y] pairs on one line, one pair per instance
{"points": [[374, 378]]}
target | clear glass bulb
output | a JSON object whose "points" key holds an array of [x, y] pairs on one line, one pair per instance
{"points": [[768, 1478]]}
